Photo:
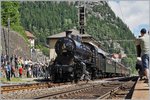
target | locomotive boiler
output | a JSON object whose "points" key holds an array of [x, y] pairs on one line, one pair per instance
{"points": [[71, 45]]}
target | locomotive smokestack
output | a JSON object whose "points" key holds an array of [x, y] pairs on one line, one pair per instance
{"points": [[68, 33]]}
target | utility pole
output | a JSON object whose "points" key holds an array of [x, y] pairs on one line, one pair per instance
{"points": [[81, 17], [8, 39]]}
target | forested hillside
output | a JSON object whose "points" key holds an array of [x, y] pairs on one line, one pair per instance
{"points": [[44, 18], [104, 25], [47, 18]]}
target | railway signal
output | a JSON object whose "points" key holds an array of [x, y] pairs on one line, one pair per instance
{"points": [[81, 18]]}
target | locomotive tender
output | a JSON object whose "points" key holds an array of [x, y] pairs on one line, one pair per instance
{"points": [[73, 56]]}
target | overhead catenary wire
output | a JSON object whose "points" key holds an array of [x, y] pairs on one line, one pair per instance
{"points": [[118, 40], [128, 54]]}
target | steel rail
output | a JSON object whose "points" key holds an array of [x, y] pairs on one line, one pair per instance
{"points": [[12, 88]]}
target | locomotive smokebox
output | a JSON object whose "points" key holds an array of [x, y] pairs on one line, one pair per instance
{"points": [[68, 33]]}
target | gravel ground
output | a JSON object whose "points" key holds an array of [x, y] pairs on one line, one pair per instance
{"points": [[25, 94]]}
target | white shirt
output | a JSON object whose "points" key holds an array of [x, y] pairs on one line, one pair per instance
{"points": [[145, 44]]}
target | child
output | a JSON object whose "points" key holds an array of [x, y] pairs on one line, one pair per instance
{"points": [[20, 72], [139, 67]]}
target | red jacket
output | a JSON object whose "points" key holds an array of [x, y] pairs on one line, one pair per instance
{"points": [[20, 70]]}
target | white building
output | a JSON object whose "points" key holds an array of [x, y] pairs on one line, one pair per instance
{"points": [[31, 38]]}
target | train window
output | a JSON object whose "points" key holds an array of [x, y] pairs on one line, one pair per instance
{"points": [[109, 62]]}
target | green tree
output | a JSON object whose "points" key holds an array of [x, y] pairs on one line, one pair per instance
{"points": [[10, 9]]}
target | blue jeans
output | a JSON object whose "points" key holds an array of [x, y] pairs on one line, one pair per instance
{"points": [[145, 61]]}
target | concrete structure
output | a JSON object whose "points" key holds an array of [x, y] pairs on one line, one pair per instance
{"points": [[52, 40], [31, 38], [141, 91]]}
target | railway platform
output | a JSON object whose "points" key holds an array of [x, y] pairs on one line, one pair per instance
{"points": [[141, 91]]}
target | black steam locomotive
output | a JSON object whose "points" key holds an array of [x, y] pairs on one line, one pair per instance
{"points": [[76, 58]]}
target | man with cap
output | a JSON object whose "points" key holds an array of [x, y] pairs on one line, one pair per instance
{"points": [[144, 42]]}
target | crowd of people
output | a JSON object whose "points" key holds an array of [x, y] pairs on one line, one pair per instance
{"points": [[16, 66]]}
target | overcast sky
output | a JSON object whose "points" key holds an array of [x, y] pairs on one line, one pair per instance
{"points": [[134, 13]]}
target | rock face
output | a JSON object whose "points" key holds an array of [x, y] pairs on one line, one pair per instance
{"points": [[13, 43]]}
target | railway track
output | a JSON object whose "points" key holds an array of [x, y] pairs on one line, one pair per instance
{"points": [[76, 93], [91, 90], [123, 91], [23, 87], [96, 91]]}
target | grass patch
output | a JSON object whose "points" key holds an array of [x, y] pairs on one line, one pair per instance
{"points": [[12, 80]]}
